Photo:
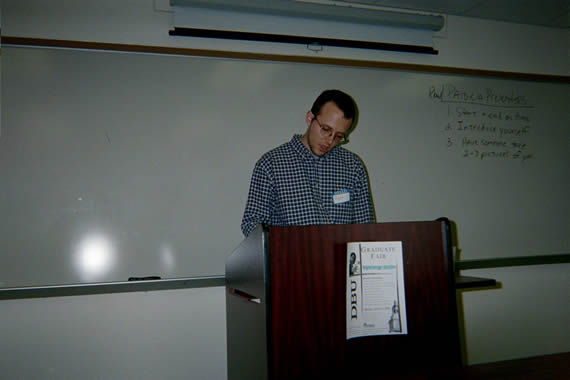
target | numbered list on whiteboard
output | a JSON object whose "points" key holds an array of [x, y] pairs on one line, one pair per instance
{"points": [[375, 297]]}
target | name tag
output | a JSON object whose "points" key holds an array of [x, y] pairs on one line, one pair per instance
{"points": [[341, 196]]}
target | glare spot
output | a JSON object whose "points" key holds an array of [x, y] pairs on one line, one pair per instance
{"points": [[167, 258], [94, 256]]}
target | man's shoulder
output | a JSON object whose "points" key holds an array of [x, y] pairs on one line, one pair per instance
{"points": [[285, 148], [277, 154]]}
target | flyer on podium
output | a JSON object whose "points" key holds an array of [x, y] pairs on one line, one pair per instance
{"points": [[375, 297]]}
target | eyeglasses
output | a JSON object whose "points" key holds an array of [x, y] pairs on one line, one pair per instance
{"points": [[326, 131]]}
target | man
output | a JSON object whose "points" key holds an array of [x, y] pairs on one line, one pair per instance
{"points": [[311, 179]]}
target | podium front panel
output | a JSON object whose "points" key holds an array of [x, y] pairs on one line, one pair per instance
{"points": [[307, 307]]}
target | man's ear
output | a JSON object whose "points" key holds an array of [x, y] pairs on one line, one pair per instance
{"points": [[309, 118]]}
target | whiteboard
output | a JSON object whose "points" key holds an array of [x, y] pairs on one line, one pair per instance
{"points": [[115, 165]]}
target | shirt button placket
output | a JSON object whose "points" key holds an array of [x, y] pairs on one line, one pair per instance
{"points": [[321, 198]]}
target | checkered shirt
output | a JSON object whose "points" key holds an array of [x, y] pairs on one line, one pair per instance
{"points": [[290, 186]]}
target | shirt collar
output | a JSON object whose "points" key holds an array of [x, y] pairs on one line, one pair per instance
{"points": [[306, 152]]}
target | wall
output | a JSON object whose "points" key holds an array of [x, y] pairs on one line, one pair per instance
{"points": [[500, 323], [171, 334]]}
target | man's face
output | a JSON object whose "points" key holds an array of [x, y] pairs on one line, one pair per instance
{"points": [[326, 129]]}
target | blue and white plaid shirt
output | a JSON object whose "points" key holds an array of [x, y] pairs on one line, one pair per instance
{"points": [[290, 186]]}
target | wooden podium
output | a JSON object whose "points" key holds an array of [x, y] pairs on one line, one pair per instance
{"points": [[286, 305]]}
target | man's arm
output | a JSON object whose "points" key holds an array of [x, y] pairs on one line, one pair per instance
{"points": [[363, 206], [260, 200]]}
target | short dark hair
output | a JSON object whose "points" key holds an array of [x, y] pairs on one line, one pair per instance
{"points": [[342, 100]]}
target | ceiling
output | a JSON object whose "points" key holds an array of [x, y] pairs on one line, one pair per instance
{"points": [[551, 13]]}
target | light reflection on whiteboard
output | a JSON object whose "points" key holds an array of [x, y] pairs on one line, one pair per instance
{"points": [[94, 257], [167, 258]]}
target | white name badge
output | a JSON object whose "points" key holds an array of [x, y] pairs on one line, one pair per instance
{"points": [[341, 196]]}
